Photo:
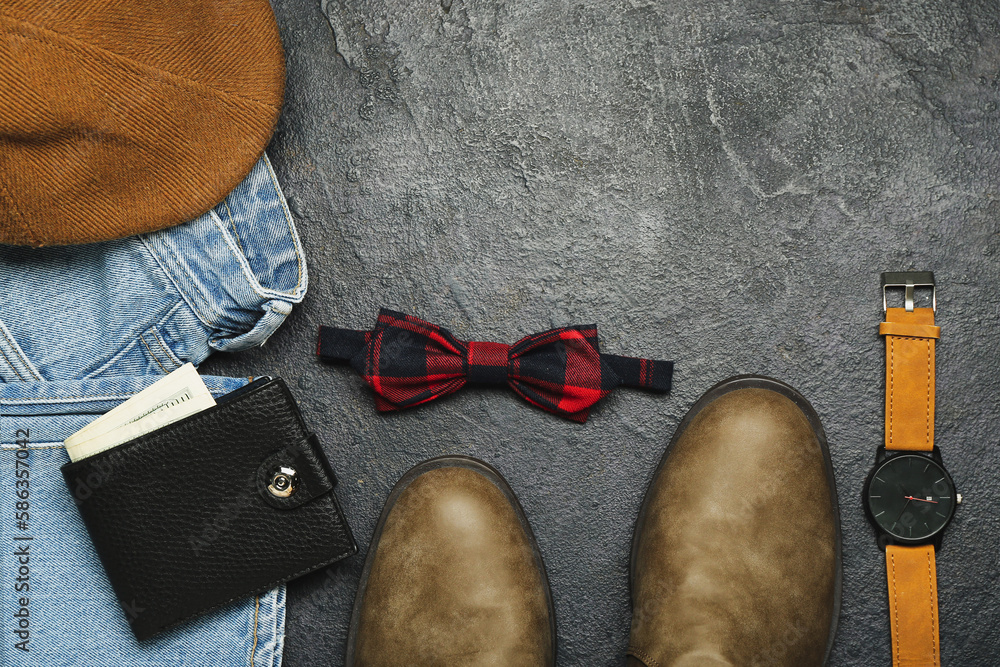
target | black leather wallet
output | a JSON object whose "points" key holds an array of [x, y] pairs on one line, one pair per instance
{"points": [[224, 504]]}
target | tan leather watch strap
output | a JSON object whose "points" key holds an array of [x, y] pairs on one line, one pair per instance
{"points": [[913, 606], [909, 425], [909, 378]]}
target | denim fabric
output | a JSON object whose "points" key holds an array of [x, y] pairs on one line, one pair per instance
{"points": [[146, 304], [72, 617], [82, 328]]}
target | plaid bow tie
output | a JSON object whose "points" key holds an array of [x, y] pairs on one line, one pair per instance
{"points": [[408, 361]]}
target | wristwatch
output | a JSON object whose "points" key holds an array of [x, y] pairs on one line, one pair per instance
{"points": [[908, 496]]}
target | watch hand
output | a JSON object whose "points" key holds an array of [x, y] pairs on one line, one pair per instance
{"points": [[902, 510], [921, 500]]}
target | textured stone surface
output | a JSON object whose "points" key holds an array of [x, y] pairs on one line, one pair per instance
{"points": [[715, 182]]}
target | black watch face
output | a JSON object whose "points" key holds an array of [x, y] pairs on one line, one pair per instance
{"points": [[910, 497]]}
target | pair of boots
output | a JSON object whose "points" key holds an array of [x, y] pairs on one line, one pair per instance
{"points": [[735, 555]]}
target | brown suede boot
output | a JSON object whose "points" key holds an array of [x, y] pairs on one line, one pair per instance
{"points": [[736, 552], [453, 576]]}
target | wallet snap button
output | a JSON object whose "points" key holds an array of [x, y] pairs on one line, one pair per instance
{"points": [[283, 482]]}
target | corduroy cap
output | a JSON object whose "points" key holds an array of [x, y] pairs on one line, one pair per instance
{"points": [[119, 117]]}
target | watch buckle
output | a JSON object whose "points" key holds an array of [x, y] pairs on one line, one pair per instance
{"points": [[908, 280]]}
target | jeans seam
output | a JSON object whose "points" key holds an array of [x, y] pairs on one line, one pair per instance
{"points": [[180, 290], [168, 358], [275, 652], [55, 399], [232, 224], [240, 256], [247, 270], [168, 269], [256, 619], [151, 355], [16, 349], [297, 242], [216, 327], [32, 401], [167, 352], [125, 350], [296, 292], [110, 362], [12, 366], [194, 283]]}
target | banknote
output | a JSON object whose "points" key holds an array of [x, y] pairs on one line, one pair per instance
{"points": [[178, 395]]}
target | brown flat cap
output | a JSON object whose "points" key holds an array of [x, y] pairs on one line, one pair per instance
{"points": [[119, 117]]}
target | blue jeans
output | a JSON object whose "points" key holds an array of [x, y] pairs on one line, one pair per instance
{"points": [[146, 304], [58, 609], [82, 328]]}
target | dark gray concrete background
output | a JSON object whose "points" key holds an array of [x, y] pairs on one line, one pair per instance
{"points": [[719, 183]]}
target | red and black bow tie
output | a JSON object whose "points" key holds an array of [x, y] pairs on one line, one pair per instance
{"points": [[408, 361]]}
